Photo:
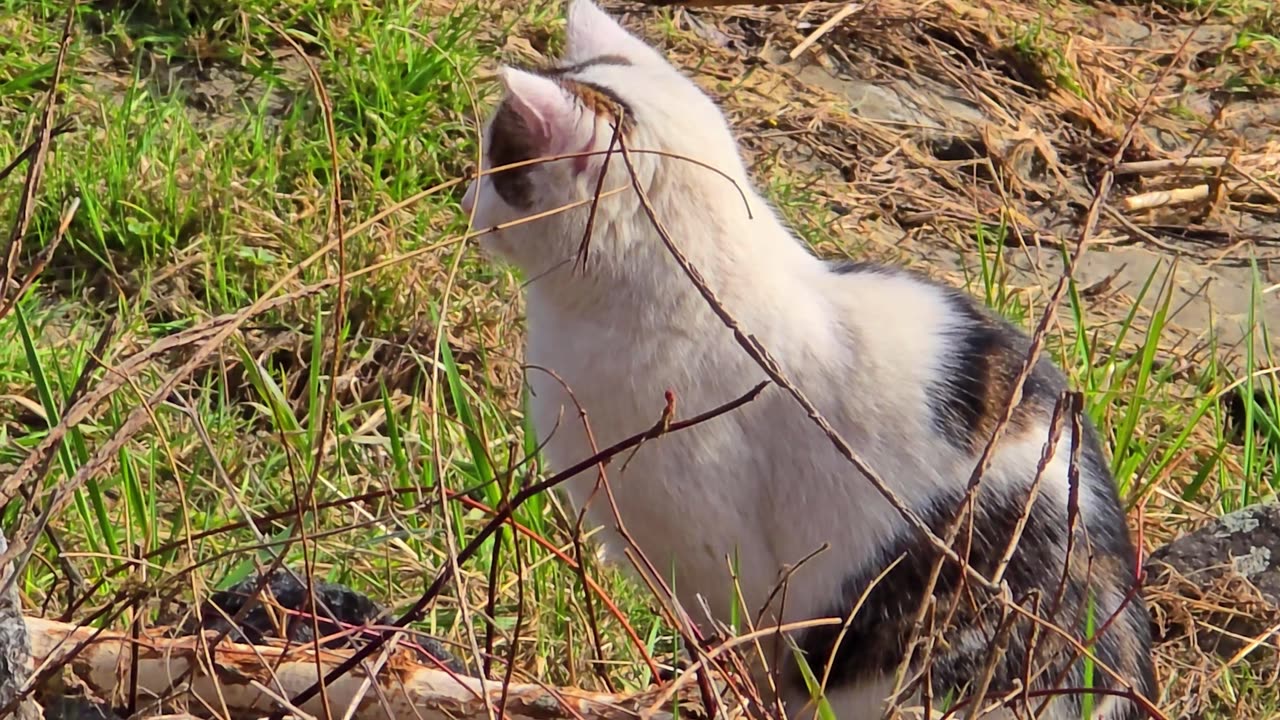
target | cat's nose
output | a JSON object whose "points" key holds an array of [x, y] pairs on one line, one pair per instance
{"points": [[469, 199]]}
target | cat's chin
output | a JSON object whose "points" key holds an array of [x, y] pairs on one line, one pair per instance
{"points": [[496, 248], [499, 248]]}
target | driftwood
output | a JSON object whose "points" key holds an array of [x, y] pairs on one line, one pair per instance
{"points": [[250, 681]]}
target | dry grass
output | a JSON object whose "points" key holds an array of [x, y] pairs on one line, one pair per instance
{"points": [[1005, 116], [967, 137]]}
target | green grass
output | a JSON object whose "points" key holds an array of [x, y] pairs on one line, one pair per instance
{"points": [[203, 171], [192, 206], [1039, 49]]}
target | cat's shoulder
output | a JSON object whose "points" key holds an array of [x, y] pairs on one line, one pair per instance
{"points": [[903, 293], [966, 324], [960, 306], [975, 352]]}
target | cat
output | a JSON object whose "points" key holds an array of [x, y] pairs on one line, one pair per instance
{"points": [[913, 374]]}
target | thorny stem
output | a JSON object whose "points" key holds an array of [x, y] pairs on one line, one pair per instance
{"points": [[678, 616], [515, 632], [307, 503], [1046, 455], [596, 638], [1015, 394]]}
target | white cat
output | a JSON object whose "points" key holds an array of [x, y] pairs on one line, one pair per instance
{"points": [[911, 373]]}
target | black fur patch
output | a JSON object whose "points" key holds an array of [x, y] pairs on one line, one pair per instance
{"points": [[510, 139], [985, 354], [873, 643], [509, 143], [1102, 560], [860, 267], [579, 67]]}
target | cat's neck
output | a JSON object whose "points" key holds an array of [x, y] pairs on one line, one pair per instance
{"points": [[748, 260]]}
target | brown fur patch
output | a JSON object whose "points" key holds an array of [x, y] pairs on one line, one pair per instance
{"points": [[602, 101]]}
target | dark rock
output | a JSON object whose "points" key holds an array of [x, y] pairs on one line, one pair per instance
{"points": [[340, 608], [338, 603], [74, 707], [1231, 565], [15, 645]]}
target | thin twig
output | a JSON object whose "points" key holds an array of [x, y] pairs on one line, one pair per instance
{"points": [[42, 259], [306, 503], [823, 29], [446, 573], [61, 128], [1037, 338], [597, 641], [1163, 198], [1046, 456], [1142, 167], [35, 168], [771, 368]]}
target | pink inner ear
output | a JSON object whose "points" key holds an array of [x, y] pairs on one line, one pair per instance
{"points": [[539, 102], [557, 125]]}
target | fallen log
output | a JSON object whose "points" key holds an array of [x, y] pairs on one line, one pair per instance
{"points": [[250, 681]]}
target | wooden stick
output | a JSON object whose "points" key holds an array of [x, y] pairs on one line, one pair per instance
{"points": [[1197, 163], [248, 680], [1161, 198], [823, 29]]}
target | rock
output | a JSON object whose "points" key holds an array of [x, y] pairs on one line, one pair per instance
{"points": [[15, 646], [1227, 575], [348, 607], [75, 707], [926, 104]]}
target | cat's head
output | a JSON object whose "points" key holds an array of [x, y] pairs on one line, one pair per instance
{"points": [[606, 75]]}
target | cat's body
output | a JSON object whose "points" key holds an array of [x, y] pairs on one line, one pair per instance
{"points": [[912, 375]]}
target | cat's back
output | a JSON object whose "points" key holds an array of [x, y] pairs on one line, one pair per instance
{"points": [[939, 349]]}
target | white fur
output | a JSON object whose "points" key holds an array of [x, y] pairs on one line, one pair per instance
{"points": [[762, 483]]}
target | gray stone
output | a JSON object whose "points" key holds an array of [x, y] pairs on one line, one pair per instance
{"points": [[1231, 564], [15, 646]]}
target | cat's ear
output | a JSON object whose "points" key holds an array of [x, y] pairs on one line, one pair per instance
{"points": [[544, 106], [551, 114], [592, 33]]}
